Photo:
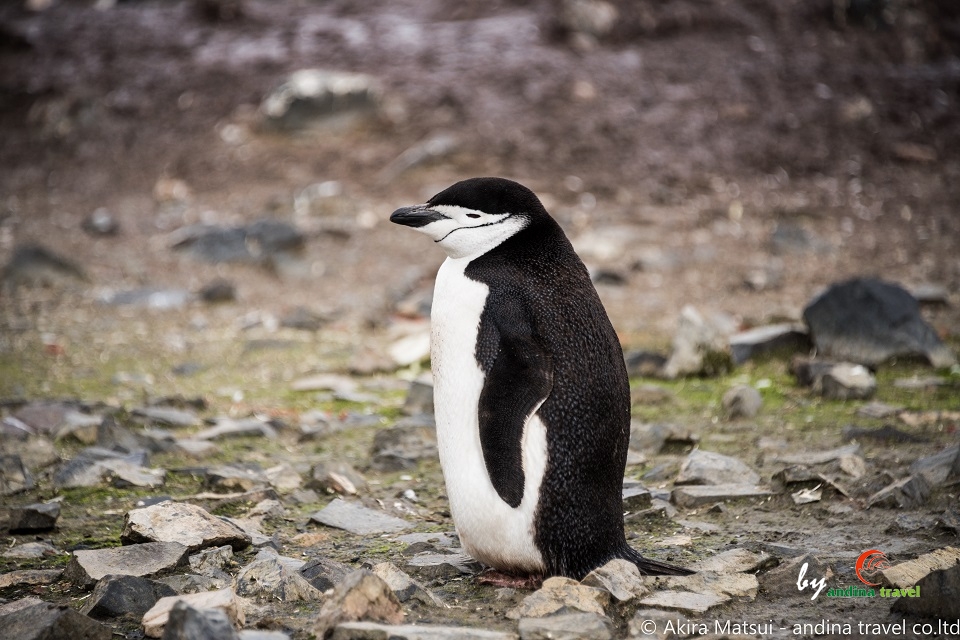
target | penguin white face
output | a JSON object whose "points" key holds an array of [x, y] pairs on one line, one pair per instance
{"points": [[460, 232], [473, 216]]}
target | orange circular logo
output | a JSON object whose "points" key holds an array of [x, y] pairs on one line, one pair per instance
{"points": [[869, 563]]}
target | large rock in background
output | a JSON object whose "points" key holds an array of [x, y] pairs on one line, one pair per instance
{"points": [[869, 321]]}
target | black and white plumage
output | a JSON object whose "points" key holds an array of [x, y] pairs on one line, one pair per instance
{"points": [[531, 392]]}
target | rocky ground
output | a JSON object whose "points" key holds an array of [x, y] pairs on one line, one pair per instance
{"points": [[205, 317]]}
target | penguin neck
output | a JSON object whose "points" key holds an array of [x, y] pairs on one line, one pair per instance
{"points": [[466, 244]]}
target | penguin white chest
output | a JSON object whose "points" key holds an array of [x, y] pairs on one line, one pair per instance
{"points": [[491, 530]]}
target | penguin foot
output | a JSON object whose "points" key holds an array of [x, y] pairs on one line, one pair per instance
{"points": [[500, 579]]}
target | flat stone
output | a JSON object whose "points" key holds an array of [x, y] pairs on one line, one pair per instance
{"points": [[736, 560], [656, 437], [657, 624], [699, 347], [275, 578], [361, 596], [940, 468], [636, 497], [34, 452], [225, 600], [46, 621], [168, 416], [869, 321], [845, 381], [184, 583], [561, 595], [783, 338], [698, 495], [31, 550], [283, 478], [312, 97], [708, 467], [376, 631], [644, 364], [442, 566], [230, 428], [886, 433], [716, 583], [231, 478], [93, 465], [90, 565], [324, 573], [116, 596], [189, 623], [16, 605], [940, 595], [358, 519], [782, 579], [419, 398], [812, 458], [122, 474], [34, 517], [621, 578], [212, 561], [909, 573], [685, 601], [14, 476], [187, 524], [878, 410], [405, 587], [906, 493], [336, 477], [742, 401], [566, 626], [26, 577]]}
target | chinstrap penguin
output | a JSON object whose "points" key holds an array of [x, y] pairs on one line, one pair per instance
{"points": [[531, 393]]}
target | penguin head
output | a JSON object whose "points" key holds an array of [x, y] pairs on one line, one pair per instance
{"points": [[473, 216]]}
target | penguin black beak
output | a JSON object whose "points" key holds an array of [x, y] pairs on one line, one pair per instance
{"points": [[416, 216]]}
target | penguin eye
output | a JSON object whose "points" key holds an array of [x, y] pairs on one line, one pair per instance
{"points": [[473, 215]]}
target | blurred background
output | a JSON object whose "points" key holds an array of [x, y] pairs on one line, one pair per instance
{"points": [[194, 194]]}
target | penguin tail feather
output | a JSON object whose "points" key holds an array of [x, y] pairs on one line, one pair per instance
{"points": [[650, 567]]}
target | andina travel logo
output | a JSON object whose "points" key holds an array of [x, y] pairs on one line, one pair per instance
{"points": [[868, 568]]}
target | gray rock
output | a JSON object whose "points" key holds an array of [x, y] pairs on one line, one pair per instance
{"points": [[907, 493], [561, 595], [336, 477], [212, 561], [419, 398], [692, 496], [869, 321], [234, 478], [699, 347], [218, 291], [402, 446], [29, 577], [361, 596], [31, 550], [656, 624], [906, 574], [708, 467], [230, 428], [257, 634], [186, 583], [405, 587], [636, 497], [644, 364], [742, 401], [940, 597], [46, 621], [34, 517], [36, 266], [180, 522], [775, 339], [167, 416], [878, 410], [225, 600], [358, 519], [685, 601], [782, 580], [566, 626], [737, 560], [377, 631], [620, 578], [92, 466], [16, 605], [317, 97], [117, 596], [324, 573], [188, 623], [657, 437], [846, 381], [35, 453], [939, 469], [813, 458], [442, 566], [303, 319], [14, 476], [276, 578], [722, 584], [143, 560]]}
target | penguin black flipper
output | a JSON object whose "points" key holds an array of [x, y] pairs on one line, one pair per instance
{"points": [[518, 378]]}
